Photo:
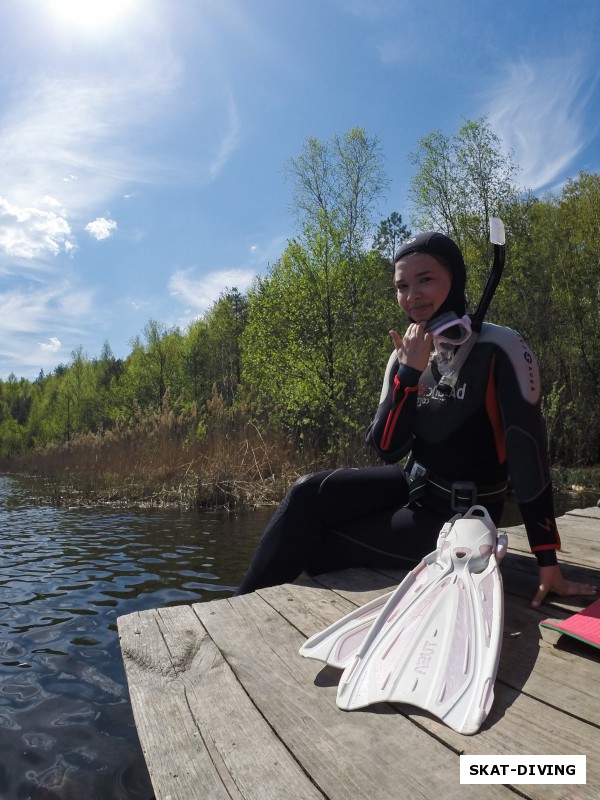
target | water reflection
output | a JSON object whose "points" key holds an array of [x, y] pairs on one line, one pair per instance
{"points": [[66, 729]]}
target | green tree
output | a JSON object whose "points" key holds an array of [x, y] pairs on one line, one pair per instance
{"points": [[336, 186], [43, 424], [460, 181], [391, 233], [153, 367], [77, 396], [196, 356], [225, 322], [317, 326], [16, 398], [12, 437], [573, 307], [156, 360]]}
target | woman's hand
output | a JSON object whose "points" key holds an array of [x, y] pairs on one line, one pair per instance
{"points": [[414, 349], [552, 580]]}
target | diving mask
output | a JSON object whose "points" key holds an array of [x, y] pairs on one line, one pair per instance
{"points": [[450, 328]]}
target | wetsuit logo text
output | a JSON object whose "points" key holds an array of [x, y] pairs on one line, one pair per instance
{"points": [[428, 393]]}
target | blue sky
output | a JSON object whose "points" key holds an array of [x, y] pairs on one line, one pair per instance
{"points": [[143, 142]]}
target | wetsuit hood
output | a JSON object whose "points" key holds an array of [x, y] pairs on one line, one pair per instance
{"points": [[438, 244]]}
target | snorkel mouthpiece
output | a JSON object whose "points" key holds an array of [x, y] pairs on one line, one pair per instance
{"points": [[448, 331]]}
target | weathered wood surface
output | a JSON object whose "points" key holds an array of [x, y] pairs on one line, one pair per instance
{"points": [[226, 708]]}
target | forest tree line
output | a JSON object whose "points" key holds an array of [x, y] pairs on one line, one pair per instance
{"points": [[301, 354]]}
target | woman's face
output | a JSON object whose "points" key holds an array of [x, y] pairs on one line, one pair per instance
{"points": [[422, 285]]}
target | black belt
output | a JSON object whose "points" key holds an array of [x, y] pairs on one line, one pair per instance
{"points": [[460, 495]]}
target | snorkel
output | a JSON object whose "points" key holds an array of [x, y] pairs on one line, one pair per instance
{"points": [[497, 238]]}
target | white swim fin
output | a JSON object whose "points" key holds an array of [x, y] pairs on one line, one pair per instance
{"points": [[435, 643], [338, 644]]}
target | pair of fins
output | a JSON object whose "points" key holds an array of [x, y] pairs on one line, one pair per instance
{"points": [[435, 641]]}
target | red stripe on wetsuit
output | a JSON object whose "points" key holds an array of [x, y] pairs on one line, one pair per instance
{"points": [[550, 526], [390, 424]]}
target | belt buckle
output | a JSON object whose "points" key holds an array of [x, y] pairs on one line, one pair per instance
{"points": [[456, 503], [417, 472]]}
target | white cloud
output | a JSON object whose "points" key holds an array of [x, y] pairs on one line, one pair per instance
{"points": [[138, 304], [101, 228], [538, 110], [34, 310], [34, 231], [229, 141], [27, 315], [201, 293], [53, 345], [197, 294], [393, 51], [70, 139]]}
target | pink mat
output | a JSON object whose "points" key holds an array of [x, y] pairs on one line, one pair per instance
{"points": [[585, 625]]}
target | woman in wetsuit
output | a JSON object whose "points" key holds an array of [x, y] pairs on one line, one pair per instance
{"points": [[466, 406]]}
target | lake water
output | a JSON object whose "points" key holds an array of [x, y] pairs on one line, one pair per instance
{"points": [[66, 726]]}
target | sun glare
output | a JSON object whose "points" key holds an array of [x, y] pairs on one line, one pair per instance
{"points": [[90, 13]]}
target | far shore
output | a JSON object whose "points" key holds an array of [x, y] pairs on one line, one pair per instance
{"points": [[229, 491]]}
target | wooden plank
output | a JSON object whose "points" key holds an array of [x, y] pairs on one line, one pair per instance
{"points": [[360, 585], [375, 754], [519, 725], [176, 759], [311, 609], [592, 512], [579, 528], [230, 722], [520, 575], [545, 672], [200, 733], [526, 664]]}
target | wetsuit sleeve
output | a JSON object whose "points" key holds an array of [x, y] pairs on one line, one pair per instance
{"points": [[518, 387], [390, 433]]}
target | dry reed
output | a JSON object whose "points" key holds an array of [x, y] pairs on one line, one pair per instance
{"points": [[164, 458]]}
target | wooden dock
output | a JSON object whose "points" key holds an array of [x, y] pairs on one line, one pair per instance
{"points": [[226, 708]]}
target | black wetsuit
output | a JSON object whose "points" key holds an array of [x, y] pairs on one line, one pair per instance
{"points": [[463, 446]]}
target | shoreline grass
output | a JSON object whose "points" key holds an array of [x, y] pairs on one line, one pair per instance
{"points": [[167, 459], [174, 460]]}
